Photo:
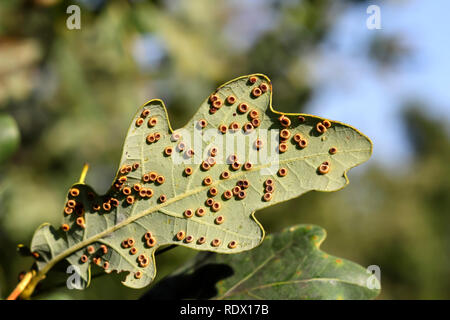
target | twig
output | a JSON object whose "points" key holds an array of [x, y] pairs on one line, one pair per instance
{"points": [[21, 286]]}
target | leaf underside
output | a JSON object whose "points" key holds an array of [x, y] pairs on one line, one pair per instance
{"points": [[288, 265], [229, 226]]}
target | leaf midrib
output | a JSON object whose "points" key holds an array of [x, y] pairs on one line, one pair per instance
{"points": [[129, 220]]}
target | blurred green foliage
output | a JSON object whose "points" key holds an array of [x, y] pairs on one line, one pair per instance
{"points": [[72, 93], [9, 137]]}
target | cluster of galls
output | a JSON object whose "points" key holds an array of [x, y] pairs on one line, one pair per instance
{"points": [[301, 142], [285, 134], [322, 127], [142, 259], [74, 207], [239, 192], [152, 137], [97, 254], [269, 189], [242, 108], [141, 191], [151, 122], [181, 235]]}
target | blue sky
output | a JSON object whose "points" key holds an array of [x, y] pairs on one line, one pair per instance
{"points": [[355, 91]]}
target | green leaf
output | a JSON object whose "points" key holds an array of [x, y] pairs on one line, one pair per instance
{"points": [[229, 226], [287, 265], [9, 137]]}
